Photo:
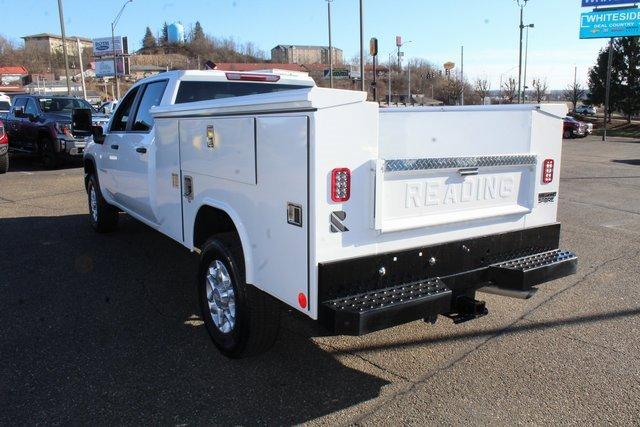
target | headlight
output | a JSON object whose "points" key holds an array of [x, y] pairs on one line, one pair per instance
{"points": [[63, 128]]}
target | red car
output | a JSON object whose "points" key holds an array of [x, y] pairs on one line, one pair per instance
{"points": [[4, 149], [574, 128]]}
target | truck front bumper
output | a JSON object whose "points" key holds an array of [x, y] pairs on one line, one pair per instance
{"points": [[368, 294], [73, 147]]}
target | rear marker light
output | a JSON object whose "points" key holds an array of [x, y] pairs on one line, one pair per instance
{"points": [[340, 185], [253, 77], [547, 171], [302, 300]]}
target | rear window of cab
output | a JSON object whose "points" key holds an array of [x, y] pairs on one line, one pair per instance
{"points": [[194, 91]]}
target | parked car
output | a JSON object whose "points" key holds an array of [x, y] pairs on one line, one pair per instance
{"points": [[317, 200], [5, 105], [587, 110], [40, 126], [4, 149], [574, 128]]}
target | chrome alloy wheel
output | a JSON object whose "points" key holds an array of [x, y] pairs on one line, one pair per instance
{"points": [[220, 296], [93, 203]]}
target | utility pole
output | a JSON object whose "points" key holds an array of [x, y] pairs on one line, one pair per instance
{"points": [[521, 4], [64, 46], [361, 46], [462, 75], [409, 83], [113, 48], [389, 78], [526, 58], [330, 45], [608, 90], [84, 87]]}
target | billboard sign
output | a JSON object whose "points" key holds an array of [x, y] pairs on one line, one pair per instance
{"points": [[104, 67], [338, 73], [104, 46], [610, 23], [597, 3]]}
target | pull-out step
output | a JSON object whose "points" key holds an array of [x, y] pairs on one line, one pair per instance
{"points": [[522, 274], [382, 308]]}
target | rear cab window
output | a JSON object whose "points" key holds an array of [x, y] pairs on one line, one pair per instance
{"points": [[194, 91]]}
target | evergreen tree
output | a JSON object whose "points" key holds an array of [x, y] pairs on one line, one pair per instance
{"points": [[149, 41], [625, 77], [165, 34], [198, 32]]}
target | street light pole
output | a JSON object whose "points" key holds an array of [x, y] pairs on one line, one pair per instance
{"points": [[64, 47], [330, 45], [361, 46], [113, 48], [526, 59], [608, 90], [521, 4], [84, 87]]}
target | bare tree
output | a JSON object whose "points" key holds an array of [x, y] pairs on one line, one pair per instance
{"points": [[482, 88], [453, 90], [574, 94], [539, 89], [509, 90]]}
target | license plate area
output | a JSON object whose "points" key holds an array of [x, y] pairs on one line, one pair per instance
{"points": [[420, 193]]}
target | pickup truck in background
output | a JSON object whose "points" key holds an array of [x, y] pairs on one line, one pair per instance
{"points": [[358, 217], [5, 105], [40, 126]]}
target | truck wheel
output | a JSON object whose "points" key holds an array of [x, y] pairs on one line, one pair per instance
{"points": [[4, 163], [49, 156], [566, 134], [242, 320], [102, 216]]}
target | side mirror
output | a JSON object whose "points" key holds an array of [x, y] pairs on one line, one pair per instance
{"points": [[18, 111], [98, 134], [32, 117], [81, 122]]}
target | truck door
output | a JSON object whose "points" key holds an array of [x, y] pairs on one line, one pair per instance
{"points": [[13, 124], [133, 148], [29, 125]]}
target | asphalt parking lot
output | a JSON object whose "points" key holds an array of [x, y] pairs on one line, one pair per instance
{"points": [[105, 328]]}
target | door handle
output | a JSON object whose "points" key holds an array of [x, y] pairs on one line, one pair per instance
{"points": [[141, 150], [468, 171], [115, 146]]}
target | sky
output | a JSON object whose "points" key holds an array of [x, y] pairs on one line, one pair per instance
{"points": [[488, 29]]}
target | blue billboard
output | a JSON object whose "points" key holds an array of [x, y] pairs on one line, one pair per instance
{"points": [[610, 23], [596, 3]]}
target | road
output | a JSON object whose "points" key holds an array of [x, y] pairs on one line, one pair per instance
{"points": [[105, 328]]}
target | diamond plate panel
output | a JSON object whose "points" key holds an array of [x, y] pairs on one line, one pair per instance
{"points": [[458, 162]]}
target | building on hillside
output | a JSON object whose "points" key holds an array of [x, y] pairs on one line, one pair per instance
{"points": [[52, 43], [12, 79], [254, 66], [299, 54]]}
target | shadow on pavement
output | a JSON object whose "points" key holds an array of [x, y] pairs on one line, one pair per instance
{"points": [[32, 164], [633, 162], [105, 328]]}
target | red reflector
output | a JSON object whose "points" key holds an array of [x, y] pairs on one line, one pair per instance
{"points": [[253, 77], [340, 184], [1, 129], [547, 171], [302, 300]]}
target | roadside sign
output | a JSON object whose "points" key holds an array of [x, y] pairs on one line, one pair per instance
{"points": [[398, 41], [104, 67], [338, 73], [373, 46], [597, 3], [104, 46], [610, 23]]}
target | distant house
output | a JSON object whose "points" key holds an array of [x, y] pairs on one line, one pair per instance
{"points": [[52, 43], [302, 54], [12, 78]]}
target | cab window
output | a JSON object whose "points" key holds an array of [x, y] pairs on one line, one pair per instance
{"points": [[151, 97], [20, 102], [123, 113], [31, 108]]}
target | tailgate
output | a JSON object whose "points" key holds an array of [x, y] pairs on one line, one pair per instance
{"points": [[433, 191], [462, 165]]}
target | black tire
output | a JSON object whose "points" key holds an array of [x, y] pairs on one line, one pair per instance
{"points": [[257, 315], [4, 163], [566, 134], [48, 154], [102, 216]]}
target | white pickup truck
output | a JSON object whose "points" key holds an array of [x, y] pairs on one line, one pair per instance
{"points": [[359, 217]]}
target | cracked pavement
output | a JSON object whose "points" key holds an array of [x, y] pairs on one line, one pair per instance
{"points": [[106, 329]]}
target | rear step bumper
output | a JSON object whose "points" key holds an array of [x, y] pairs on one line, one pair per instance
{"points": [[452, 293]]}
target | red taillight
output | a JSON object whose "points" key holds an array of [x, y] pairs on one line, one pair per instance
{"points": [[2, 133], [253, 77], [547, 171], [340, 184]]}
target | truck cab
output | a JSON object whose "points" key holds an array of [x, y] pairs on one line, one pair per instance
{"points": [[358, 217]]}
